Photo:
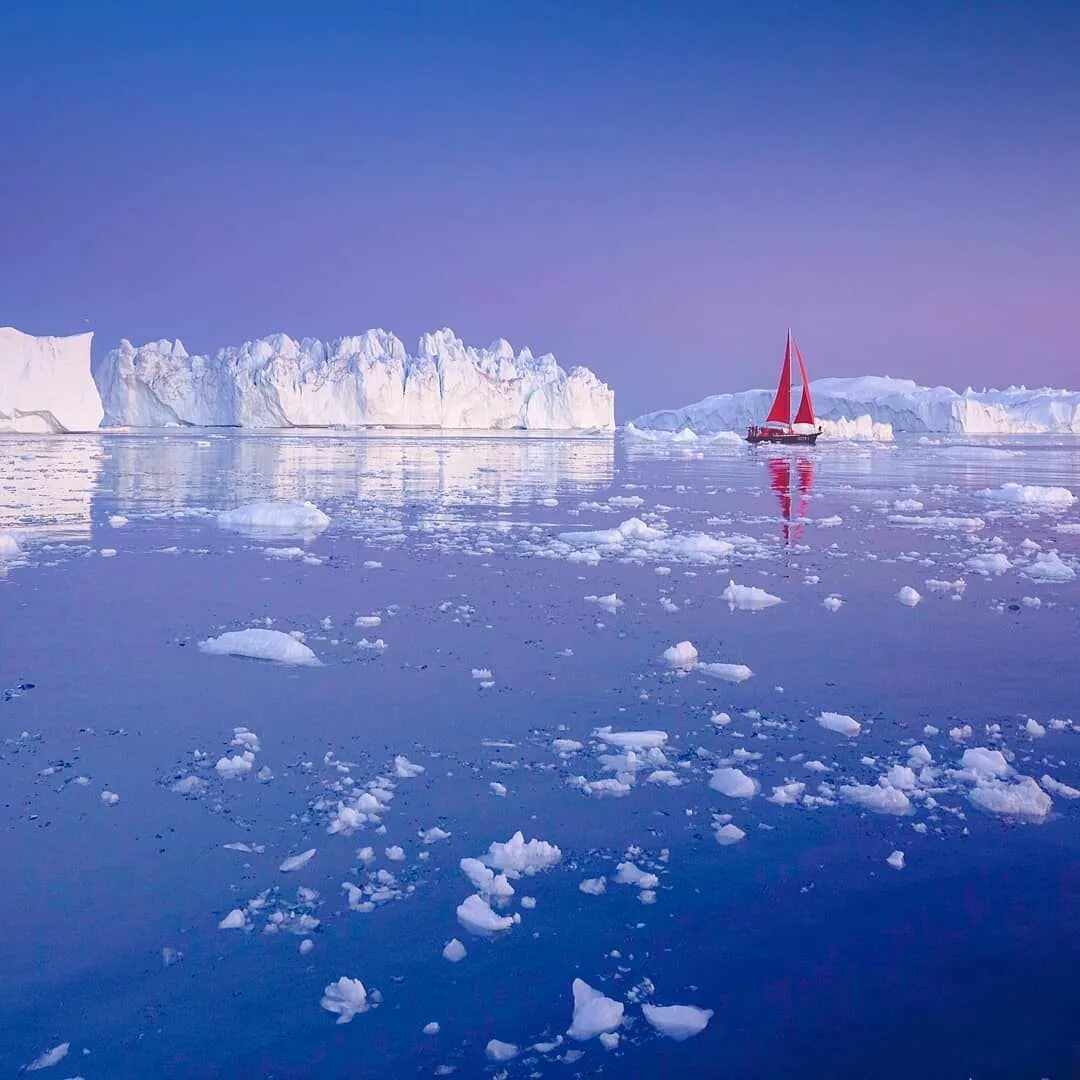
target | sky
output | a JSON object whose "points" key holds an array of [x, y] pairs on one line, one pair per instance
{"points": [[654, 190]]}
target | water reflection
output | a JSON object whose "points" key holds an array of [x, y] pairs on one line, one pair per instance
{"points": [[780, 480]]}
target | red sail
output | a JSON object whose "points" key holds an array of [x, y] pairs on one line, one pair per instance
{"points": [[805, 415], [780, 413]]}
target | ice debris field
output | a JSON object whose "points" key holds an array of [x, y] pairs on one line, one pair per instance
{"points": [[383, 756]]}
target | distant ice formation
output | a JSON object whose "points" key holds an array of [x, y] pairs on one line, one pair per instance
{"points": [[366, 380], [45, 383], [873, 407]]}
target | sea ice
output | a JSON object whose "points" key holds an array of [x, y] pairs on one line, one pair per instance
{"points": [[346, 997], [677, 1022], [594, 1013], [838, 722], [734, 783], [748, 597], [275, 519], [259, 643]]}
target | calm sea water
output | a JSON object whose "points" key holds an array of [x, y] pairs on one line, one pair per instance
{"points": [[817, 957]]}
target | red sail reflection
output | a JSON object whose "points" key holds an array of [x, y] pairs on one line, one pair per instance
{"points": [[780, 480]]}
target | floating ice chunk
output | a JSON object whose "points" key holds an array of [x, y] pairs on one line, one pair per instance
{"points": [[346, 997], [432, 835], [395, 853], [728, 834], [748, 597], [1023, 799], [117, 521], [49, 1057], [110, 798], [9, 546], [635, 740], [297, 862], [431, 1028], [594, 1013], [611, 602], [475, 914], [664, 776], [681, 655], [732, 673], [497, 1050], [261, 644], [989, 563], [832, 603], [454, 951], [1056, 787], [787, 794], [189, 785], [900, 776], [404, 769], [1028, 494], [1049, 566], [1034, 728], [981, 761], [896, 860], [677, 1022], [486, 881], [733, 783], [595, 886], [908, 596], [235, 920], [497, 789], [232, 768], [275, 519], [838, 722], [628, 873], [879, 798], [518, 856], [631, 529]]}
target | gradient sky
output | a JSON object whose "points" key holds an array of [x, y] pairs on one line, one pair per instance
{"points": [[655, 190]]}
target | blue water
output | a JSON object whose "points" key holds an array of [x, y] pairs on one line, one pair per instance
{"points": [[817, 958]]}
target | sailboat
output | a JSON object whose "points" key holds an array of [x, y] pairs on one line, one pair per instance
{"points": [[778, 426]]}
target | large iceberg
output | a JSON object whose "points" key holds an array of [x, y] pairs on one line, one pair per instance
{"points": [[357, 381], [872, 406], [45, 383]]}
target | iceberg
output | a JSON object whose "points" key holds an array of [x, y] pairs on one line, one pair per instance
{"points": [[364, 380], [45, 383], [875, 406]]}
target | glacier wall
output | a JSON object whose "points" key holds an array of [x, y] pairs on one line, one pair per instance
{"points": [[45, 383], [870, 405], [366, 380]]}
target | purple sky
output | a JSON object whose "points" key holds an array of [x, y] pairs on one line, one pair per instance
{"points": [[654, 190]]}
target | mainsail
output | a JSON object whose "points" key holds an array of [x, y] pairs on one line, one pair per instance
{"points": [[780, 413]]}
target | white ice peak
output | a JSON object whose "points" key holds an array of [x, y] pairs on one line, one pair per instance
{"points": [[867, 402], [368, 379], [45, 383]]}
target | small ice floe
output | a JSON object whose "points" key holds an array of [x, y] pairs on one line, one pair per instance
{"points": [[497, 1050], [734, 783], [519, 856], [788, 794], [632, 740], [1034, 728], [109, 798], [48, 1058], [395, 853], [1049, 566], [117, 521], [9, 546], [484, 677], [431, 1028], [832, 603], [346, 997], [732, 673], [748, 598], [297, 862], [1056, 787], [677, 1022], [235, 920], [628, 873], [594, 886], [477, 916], [368, 620], [999, 789], [908, 596], [497, 789], [611, 602], [454, 951], [990, 563], [896, 860], [275, 519], [681, 655], [233, 768], [594, 1014], [433, 835], [728, 834], [838, 722], [880, 798], [1028, 495], [259, 643], [404, 769]]}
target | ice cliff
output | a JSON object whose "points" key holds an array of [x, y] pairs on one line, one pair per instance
{"points": [[872, 406], [45, 383], [353, 381]]}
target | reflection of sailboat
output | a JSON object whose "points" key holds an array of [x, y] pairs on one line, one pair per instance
{"points": [[778, 426], [780, 482]]}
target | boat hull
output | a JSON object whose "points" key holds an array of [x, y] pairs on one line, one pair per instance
{"points": [[784, 438]]}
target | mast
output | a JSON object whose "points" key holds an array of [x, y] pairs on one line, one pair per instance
{"points": [[780, 413], [805, 415]]}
